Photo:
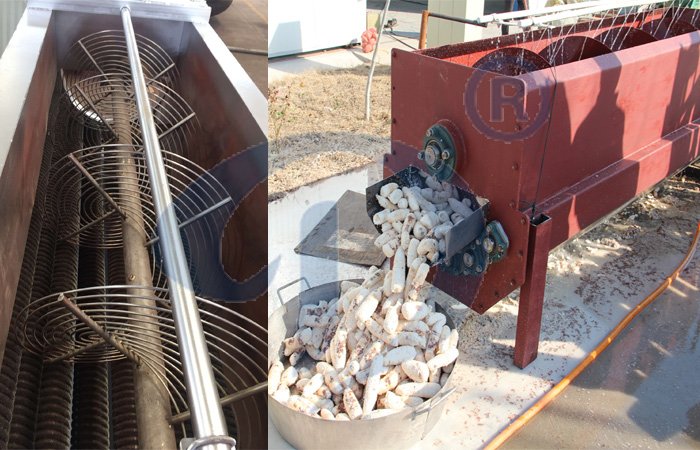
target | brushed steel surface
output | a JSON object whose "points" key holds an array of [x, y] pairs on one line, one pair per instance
{"points": [[188, 10], [207, 415]]}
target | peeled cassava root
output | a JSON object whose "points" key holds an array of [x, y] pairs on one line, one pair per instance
{"points": [[414, 221], [379, 347], [376, 353]]}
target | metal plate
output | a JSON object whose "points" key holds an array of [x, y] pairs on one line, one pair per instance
{"points": [[345, 234]]}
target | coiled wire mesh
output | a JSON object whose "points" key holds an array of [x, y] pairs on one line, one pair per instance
{"points": [[86, 205], [234, 340]]}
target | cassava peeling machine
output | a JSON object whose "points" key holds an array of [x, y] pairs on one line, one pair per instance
{"points": [[133, 159], [553, 129]]}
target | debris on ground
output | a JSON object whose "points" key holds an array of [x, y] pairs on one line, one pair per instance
{"points": [[317, 126]]}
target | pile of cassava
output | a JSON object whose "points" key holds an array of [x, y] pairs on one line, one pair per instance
{"points": [[381, 346]]}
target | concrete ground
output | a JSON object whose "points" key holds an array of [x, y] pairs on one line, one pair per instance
{"points": [[244, 25], [642, 392]]}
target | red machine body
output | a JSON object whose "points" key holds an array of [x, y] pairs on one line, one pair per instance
{"points": [[556, 149]]}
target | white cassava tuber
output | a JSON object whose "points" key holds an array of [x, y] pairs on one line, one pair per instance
{"points": [[423, 390], [406, 230], [398, 355], [419, 230], [444, 342], [385, 238], [443, 359], [398, 216], [282, 394], [338, 349], [433, 183], [374, 279], [414, 310], [459, 207], [412, 252], [372, 386], [391, 320], [411, 338], [274, 376], [311, 386], [421, 275], [381, 217], [289, 376], [427, 246], [367, 307], [302, 405], [387, 189], [352, 405], [399, 272], [416, 370], [385, 203], [395, 196], [393, 401]]}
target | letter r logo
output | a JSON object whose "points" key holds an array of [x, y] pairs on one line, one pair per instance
{"points": [[507, 92]]}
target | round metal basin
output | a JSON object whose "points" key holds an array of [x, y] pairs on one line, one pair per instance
{"points": [[400, 430]]}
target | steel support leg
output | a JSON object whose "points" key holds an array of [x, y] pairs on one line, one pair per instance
{"points": [[527, 335]]}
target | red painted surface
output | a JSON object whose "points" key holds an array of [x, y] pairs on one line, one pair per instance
{"points": [[620, 123], [527, 334]]}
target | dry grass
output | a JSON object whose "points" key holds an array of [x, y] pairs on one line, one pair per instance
{"points": [[317, 126]]}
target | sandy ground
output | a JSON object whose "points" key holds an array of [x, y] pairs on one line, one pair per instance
{"points": [[317, 126], [592, 282]]}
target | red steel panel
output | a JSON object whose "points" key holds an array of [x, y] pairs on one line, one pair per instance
{"points": [[620, 123]]}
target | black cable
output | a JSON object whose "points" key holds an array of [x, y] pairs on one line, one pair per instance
{"points": [[546, 141], [395, 36]]}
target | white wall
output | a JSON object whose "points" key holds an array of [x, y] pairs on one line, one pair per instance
{"points": [[10, 13], [299, 26]]}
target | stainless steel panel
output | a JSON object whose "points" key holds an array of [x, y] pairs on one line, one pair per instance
{"points": [[188, 10]]}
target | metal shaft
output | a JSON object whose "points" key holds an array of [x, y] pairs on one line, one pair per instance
{"points": [[207, 414], [152, 401]]}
